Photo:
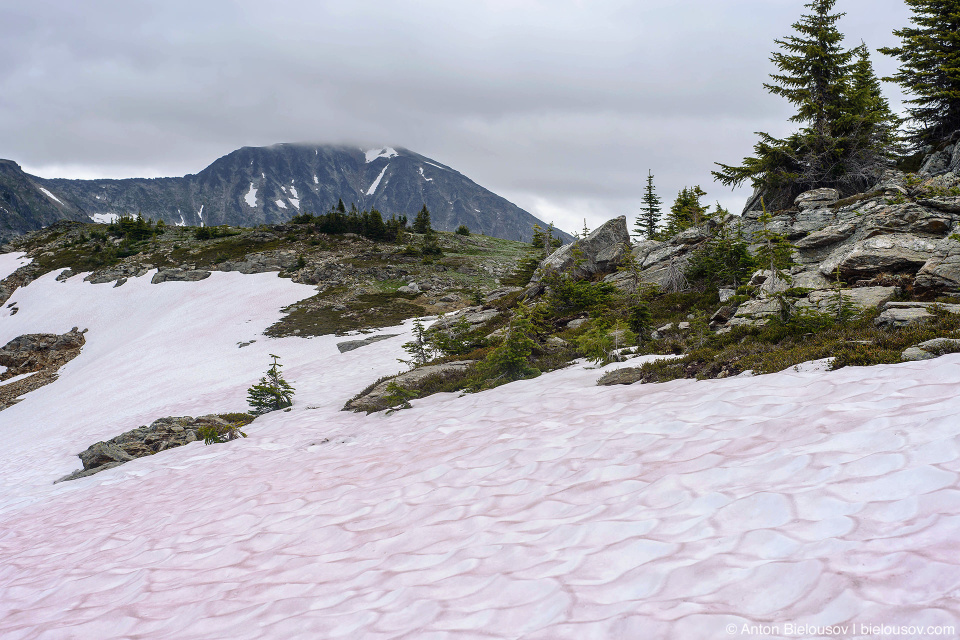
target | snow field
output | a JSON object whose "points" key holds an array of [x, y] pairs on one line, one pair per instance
{"points": [[547, 508]]}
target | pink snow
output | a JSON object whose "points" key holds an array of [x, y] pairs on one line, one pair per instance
{"points": [[548, 508]]}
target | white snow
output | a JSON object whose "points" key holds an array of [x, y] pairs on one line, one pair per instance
{"points": [[425, 177], [546, 509], [200, 215], [251, 196], [376, 183], [281, 204], [433, 164], [382, 152], [10, 262], [182, 222], [16, 378], [51, 196], [316, 180], [295, 202], [293, 190], [105, 218]]}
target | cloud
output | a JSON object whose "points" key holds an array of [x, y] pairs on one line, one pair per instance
{"points": [[562, 106]]}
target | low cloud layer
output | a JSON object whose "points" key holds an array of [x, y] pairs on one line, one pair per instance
{"points": [[560, 106]]}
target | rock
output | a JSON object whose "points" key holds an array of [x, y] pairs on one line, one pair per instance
{"points": [[811, 220], [179, 275], [475, 316], [722, 316], [951, 205], [450, 297], [726, 294], [936, 163], [665, 328], [860, 297], [554, 341], [576, 324], [827, 236], [65, 274], [808, 280], [756, 312], [102, 453], [941, 271], [662, 253], [625, 375], [907, 218], [162, 434], [901, 314], [913, 354], [39, 354], [264, 262], [602, 251], [940, 346], [351, 345], [898, 252], [374, 400], [817, 198], [496, 294], [409, 288], [683, 326]]}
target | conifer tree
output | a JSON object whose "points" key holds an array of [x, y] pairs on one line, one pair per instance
{"points": [[421, 224], [273, 392], [838, 145], [646, 222], [929, 55], [686, 211]]}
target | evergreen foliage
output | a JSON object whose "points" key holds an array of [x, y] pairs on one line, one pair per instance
{"points": [[846, 122], [929, 55], [543, 238], [775, 252], [510, 360], [273, 392], [463, 230], [650, 212], [421, 348], [421, 224], [722, 261], [686, 211], [369, 224], [134, 229]]}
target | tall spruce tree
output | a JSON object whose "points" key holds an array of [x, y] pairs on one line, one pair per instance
{"points": [[929, 55], [686, 211], [836, 146], [650, 212], [421, 224]]}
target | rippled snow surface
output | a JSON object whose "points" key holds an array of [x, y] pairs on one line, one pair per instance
{"points": [[546, 509]]}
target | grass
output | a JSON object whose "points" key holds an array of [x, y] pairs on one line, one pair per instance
{"points": [[778, 346]]}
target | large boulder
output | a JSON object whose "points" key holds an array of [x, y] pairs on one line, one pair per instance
{"points": [[263, 263], [376, 398], [941, 271], [600, 252], [827, 236], [860, 297], [893, 253], [179, 275], [902, 314], [817, 198]]}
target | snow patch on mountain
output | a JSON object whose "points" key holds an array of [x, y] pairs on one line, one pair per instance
{"points": [[546, 508], [425, 177], [105, 218], [281, 204], [51, 196], [382, 152], [376, 183], [251, 196]]}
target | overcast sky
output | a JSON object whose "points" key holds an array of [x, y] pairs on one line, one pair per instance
{"points": [[558, 105]]}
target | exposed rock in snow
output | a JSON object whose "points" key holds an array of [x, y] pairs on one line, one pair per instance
{"points": [[179, 275], [599, 252]]}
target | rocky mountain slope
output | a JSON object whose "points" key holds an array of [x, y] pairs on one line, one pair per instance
{"points": [[26, 204], [269, 185]]}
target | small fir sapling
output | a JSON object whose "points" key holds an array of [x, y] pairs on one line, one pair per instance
{"points": [[273, 392]]}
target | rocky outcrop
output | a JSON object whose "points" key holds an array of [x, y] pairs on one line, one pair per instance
{"points": [[262, 262], [377, 397], [351, 345], [860, 298], [893, 253], [901, 314], [33, 361], [817, 198], [162, 434], [600, 252], [179, 275]]}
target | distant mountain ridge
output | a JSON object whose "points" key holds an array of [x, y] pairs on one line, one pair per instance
{"points": [[267, 185]]}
